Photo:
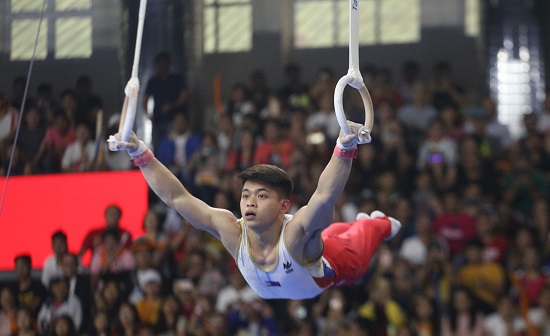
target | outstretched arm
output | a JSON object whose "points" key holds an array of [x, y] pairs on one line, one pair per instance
{"points": [[318, 213], [173, 193]]}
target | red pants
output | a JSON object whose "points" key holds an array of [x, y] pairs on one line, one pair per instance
{"points": [[349, 247]]}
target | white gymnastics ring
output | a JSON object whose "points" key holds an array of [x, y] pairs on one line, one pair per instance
{"points": [[131, 90], [354, 79]]}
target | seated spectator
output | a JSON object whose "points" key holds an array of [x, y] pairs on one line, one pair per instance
{"points": [[109, 298], [93, 238], [538, 317], [111, 256], [8, 312], [80, 155], [28, 291], [79, 285], [149, 306], [528, 280], [8, 120], [416, 116], [239, 105], [206, 167], [57, 138], [237, 292], [485, 280], [425, 317], [198, 267], [241, 156], [52, 264], [31, 134], [25, 322], [382, 309], [454, 225], [177, 148], [324, 120], [415, 248], [155, 236], [505, 321], [274, 149], [170, 322], [63, 325], [127, 321], [463, 317], [100, 325], [59, 303], [494, 243]]}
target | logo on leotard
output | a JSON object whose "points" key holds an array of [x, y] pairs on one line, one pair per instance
{"points": [[272, 283], [288, 267]]}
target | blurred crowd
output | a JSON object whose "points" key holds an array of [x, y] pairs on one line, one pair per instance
{"points": [[472, 257]]}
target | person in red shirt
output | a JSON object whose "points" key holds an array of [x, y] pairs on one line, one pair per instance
{"points": [[93, 238], [454, 225], [274, 149]]}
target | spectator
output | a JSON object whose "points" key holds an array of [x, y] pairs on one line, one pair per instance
{"points": [[63, 325], [176, 149], [79, 285], [149, 306], [324, 120], [381, 309], [241, 156], [59, 303], [463, 318], [529, 280], [31, 134], [28, 291], [417, 116], [8, 311], [425, 319], [199, 269], [485, 280], [239, 105], [52, 264], [206, 167], [538, 317], [168, 91], [25, 322], [454, 225], [237, 292], [438, 155], [109, 298], [155, 236], [505, 321], [415, 248], [170, 322], [128, 320], [88, 102], [100, 325], [8, 120], [444, 89], [93, 238], [274, 149], [57, 138], [80, 155], [111, 257]]}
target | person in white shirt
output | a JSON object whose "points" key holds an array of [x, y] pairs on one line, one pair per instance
{"points": [[59, 303], [235, 293], [52, 264], [505, 321], [79, 155]]}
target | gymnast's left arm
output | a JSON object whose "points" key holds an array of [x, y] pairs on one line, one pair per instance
{"points": [[318, 213]]}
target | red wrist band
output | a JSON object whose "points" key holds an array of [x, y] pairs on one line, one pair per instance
{"points": [[345, 153], [143, 158]]}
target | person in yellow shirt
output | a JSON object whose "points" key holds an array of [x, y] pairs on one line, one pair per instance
{"points": [[485, 280], [148, 308], [382, 309]]}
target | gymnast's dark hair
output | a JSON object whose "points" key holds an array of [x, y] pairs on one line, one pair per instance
{"points": [[271, 176]]}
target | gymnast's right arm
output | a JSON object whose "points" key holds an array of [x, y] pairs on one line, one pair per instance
{"points": [[171, 191]]}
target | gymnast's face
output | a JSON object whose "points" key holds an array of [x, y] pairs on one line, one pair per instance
{"points": [[261, 205]]}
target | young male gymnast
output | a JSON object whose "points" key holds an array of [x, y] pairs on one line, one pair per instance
{"points": [[281, 256]]}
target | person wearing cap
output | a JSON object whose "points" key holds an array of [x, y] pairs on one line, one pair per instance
{"points": [[59, 303], [143, 250], [148, 308]]}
